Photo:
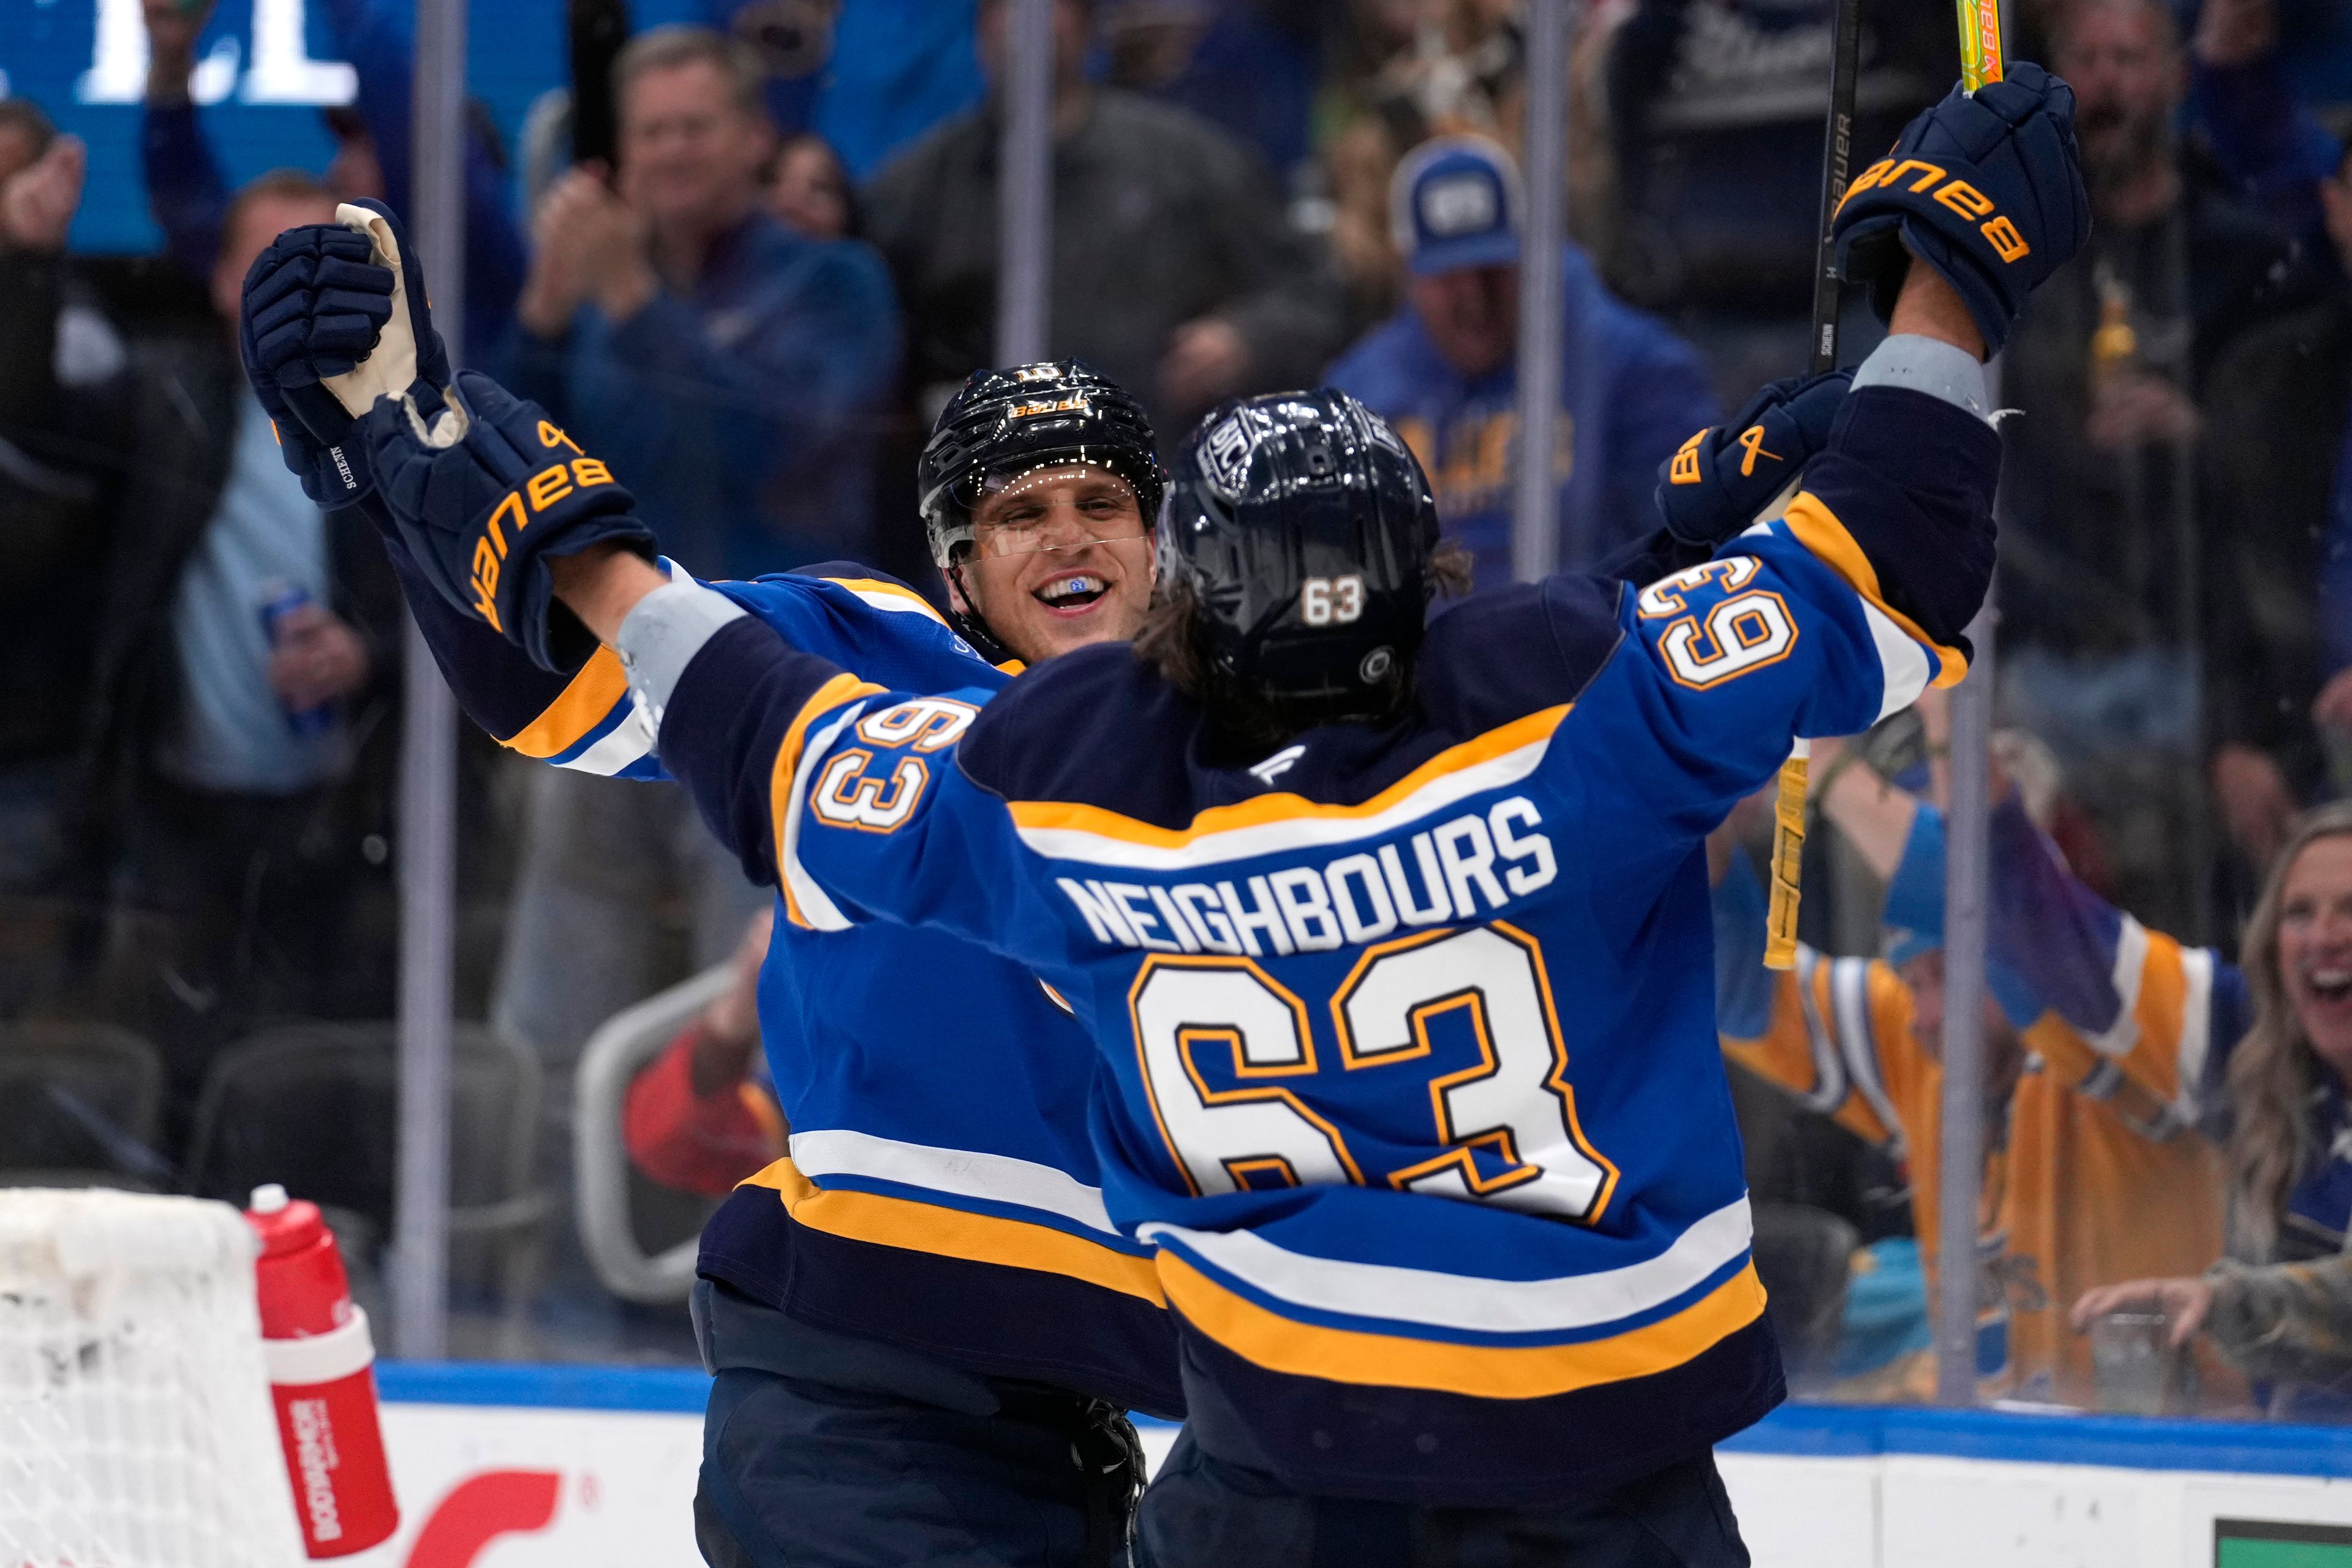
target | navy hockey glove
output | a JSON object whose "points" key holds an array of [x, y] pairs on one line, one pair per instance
{"points": [[484, 496], [1988, 190], [1725, 478], [326, 327]]}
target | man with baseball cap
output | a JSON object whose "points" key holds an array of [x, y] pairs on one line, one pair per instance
{"points": [[1443, 370]]}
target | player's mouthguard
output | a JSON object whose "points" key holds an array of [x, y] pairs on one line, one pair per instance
{"points": [[1075, 589]]}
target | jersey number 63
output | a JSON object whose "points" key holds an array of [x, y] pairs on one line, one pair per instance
{"points": [[1504, 1127]]}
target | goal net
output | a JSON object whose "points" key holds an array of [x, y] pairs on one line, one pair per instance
{"points": [[136, 1429]]}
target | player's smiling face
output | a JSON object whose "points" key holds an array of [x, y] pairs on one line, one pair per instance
{"points": [[1061, 558]]}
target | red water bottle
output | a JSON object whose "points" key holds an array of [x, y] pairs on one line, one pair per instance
{"points": [[321, 1364]]}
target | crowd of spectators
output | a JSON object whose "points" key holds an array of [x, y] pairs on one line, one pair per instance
{"points": [[754, 313]]}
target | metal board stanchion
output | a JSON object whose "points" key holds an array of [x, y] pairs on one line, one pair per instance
{"points": [[1025, 183], [1535, 521], [428, 762], [1967, 889]]}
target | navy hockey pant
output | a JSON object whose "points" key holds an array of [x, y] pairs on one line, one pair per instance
{"points": [[1202, 1513], [804, 1475], [810, 1472]]}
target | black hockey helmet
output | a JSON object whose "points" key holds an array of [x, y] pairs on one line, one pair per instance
{"points": [[1304, 529], [1002, 424]]}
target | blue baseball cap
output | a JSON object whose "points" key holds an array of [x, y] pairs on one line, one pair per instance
{"points": [[1454, 203]]}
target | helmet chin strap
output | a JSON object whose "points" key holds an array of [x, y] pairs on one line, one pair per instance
{"points": [[965, 611]]}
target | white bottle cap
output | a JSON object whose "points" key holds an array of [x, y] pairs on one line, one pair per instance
{"points": [[268, 1198]]}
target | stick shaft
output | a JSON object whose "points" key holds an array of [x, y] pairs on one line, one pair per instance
{"points": [[1981, 59], [1837, 164]]}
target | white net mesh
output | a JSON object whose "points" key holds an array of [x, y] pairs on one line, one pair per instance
{"points": [[135, 1420]]}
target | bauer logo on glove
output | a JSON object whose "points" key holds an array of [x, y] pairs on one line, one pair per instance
{"points": [[486, 491], [1984, 187], [1962, 197], [513, 515]]}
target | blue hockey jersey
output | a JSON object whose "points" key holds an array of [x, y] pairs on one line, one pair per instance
{"points": [[1410, 1075], [940, 1191]]}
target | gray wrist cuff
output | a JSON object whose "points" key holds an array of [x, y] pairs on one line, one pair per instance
{"points": [[1930, 366], [660, 636]]}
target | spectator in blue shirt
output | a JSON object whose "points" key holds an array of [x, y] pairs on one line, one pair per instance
{"points": [[190, 197], [730, 370], [1444, 371]]}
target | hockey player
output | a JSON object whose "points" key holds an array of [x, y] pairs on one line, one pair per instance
{"points": [[923, 1326], [1394, 951]]}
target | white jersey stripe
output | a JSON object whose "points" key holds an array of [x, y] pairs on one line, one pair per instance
{"points": [[996, 1178], [1829, 1068], [1458, 1301], [2131, 963], [630, 740], [899, 603], [1902, 662], [1849, 1004], [2196, 1032], [815, 905]]}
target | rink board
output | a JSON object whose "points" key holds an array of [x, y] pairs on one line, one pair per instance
{"points": [[536, 1467]]}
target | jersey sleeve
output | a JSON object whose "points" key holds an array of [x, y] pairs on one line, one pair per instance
{"points": [[1821, 622], [845, 793], [584, 719], [588, 720]]}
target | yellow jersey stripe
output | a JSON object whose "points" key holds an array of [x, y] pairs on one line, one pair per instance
{"points": [[1283, 1344], [869, 588], [841, 688], [915, 1226], [594, 692], [1818, 530], [1287, 807]]}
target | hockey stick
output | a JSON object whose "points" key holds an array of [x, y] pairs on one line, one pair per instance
{"points": [[1837, 152], [1981, 56], [1981, 61]]}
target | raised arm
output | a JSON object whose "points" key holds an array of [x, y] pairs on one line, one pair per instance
{"points": [[186, 192], [373, 37], [1844, 610], [535, 578], [2116, 998]]}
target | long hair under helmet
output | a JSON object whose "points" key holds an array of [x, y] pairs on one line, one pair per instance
{"points": [[1302, 530], [1004, 423]]}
